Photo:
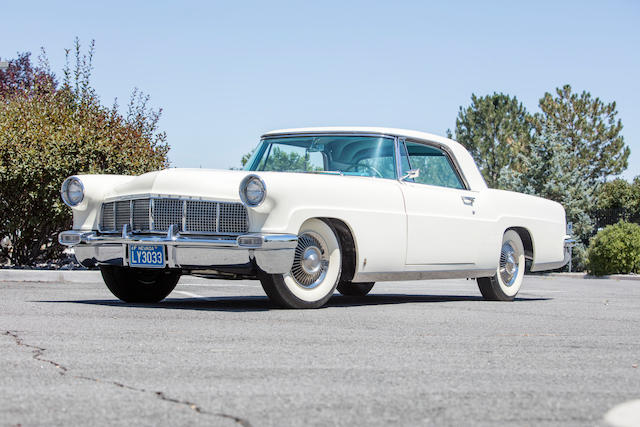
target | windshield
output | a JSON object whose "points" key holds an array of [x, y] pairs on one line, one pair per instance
{"points": [[345, 155]]}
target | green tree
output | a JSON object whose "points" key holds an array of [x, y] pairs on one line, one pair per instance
{"points": [[280, 160], [617, 200], [246, 157], [620, 194], [547, 172], [49, 131], [495, 129], [565, 152], [588, 128]]}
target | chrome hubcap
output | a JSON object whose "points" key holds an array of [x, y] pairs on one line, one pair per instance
{"points": [[508, 264], [311, 261]]}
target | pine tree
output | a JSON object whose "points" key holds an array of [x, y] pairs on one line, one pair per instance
{"points": [[496, 129], [589, 130], [548, 172]]}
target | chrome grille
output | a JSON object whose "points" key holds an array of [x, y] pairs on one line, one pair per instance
{"points": [[190, 216], [107, 222], [167, 212], [233, 218], [141, 215], [200, 215], [123, 214]]}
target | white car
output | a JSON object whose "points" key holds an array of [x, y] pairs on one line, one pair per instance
{"points": [[314, 210]]}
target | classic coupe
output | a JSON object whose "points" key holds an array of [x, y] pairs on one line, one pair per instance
{"points": [[315, 210]]}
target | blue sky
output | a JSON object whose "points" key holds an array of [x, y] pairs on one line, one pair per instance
{"points": [[226, 72]]}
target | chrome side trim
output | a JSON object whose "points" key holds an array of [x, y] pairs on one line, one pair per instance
{"points": [[421, 275]]}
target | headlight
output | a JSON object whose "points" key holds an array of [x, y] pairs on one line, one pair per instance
{"points": [[252, 191], [72, 191]]}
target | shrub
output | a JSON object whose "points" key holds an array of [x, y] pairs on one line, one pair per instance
{"points": [[50, 131], [615, 249]]}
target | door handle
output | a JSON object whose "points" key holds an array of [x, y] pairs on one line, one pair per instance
{"points": [[468, 200]]}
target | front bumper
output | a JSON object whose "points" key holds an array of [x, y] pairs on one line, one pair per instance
{"points": [[272, 253]]}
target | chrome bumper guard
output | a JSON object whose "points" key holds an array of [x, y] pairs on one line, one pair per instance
{"points": [[272, 253]]}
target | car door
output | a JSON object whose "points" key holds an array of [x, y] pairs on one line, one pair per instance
{"points": [[443, 218]]}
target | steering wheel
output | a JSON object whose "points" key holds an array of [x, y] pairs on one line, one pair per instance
{"points": [[371, 168]]}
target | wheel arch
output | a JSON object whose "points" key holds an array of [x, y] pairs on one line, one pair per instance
{"points": [[527, 241], [347, 244]]}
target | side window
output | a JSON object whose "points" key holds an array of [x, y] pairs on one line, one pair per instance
{"points": [[435, 167]]}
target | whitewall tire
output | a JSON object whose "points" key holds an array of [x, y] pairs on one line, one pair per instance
{"points": [[506, 283], [315, 272]]}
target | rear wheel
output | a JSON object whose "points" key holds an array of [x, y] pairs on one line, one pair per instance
{"points": [[139, 285], [505, 284], [354, 289], [315, 271]]}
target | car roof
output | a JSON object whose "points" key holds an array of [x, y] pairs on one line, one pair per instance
{"points": [[412, 134]]}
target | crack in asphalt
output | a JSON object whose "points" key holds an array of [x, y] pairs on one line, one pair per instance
{"points": [[38, 353]]}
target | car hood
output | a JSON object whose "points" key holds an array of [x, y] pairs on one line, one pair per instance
{"points": [[206, 183]]}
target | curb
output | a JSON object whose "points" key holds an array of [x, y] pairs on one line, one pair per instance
{"points": [[588, 277], [50, 276], [68, 276]]}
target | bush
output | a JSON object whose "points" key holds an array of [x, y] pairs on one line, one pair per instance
{"points": [[615, 250], [50, 131]]}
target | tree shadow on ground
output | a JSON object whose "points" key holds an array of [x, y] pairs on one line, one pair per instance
{"points": [[262, 303]]}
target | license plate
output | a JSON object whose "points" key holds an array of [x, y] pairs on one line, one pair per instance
{"points": [[147, 256]]}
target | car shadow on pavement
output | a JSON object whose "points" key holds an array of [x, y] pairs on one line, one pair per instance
{"points": [[262, 303]]}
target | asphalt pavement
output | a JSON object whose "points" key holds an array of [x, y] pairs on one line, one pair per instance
{"points": [[411, 353]]}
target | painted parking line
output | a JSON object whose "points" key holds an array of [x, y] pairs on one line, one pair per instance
{"points": [[544, 291], [219, 285], [192, 295], [626, 414]]}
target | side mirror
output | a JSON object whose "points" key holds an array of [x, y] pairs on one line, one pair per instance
{"points": [[411, 174]]}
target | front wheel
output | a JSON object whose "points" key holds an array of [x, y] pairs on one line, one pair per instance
{"points": [[315, 271], [505, 284], [139, 285]]}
